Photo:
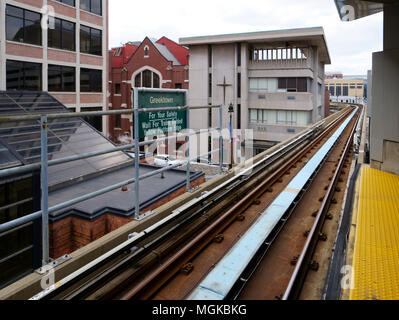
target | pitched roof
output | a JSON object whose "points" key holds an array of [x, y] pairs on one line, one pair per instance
{"points": [[167, 54], [122, 54], [169, 49], [180, 52]]}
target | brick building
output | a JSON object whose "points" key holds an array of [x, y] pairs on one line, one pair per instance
{"points": [[68, 58], [151, 64]]}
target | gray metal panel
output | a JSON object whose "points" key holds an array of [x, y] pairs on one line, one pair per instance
{"points": [[167, 54], [66, 137]]}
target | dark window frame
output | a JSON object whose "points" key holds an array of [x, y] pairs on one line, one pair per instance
{"points": [[91, 7], [62, 70], [23, 78], [117, 88], [288, 83], [239, 54], [238, 85], [210, 85], [24, 19], [91, 49], [61, 44], [92, 81], [66, 2]]}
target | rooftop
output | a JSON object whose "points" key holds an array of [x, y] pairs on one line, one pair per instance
{"points": [[312, 36], [20, 145]]}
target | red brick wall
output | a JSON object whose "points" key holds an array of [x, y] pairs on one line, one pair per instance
{"points": [[72, 233], [327, 103], [124, 77], [24, 50], [33, 3], [61, 55], [62, 9]]}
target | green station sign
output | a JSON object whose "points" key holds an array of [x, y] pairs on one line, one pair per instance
{"points": [[162, 122]]}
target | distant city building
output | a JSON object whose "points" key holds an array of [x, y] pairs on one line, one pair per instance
{"points": [[150, 64], [69, 59], [274, 79], [351, 89], [334, 76]]}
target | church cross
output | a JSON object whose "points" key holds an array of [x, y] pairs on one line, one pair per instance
{"points": [[224, 85]]}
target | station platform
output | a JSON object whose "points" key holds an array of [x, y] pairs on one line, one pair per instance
{"points": [[374, 237]]}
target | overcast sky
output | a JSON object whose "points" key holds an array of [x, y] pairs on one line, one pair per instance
{"points": [[350, 43]]}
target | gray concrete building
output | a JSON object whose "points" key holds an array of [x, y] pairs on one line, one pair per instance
{"points": [[383, 102], [273, 79]]}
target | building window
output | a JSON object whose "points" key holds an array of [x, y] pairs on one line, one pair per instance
{"points": [[210, 85], [118, 121], [332, 90], [345, 90], [178, 86], [146, 52], [210, 56], [293, 84], [239, 116], [147, 79], [280, 54], [280, 117], [93, 6], [117, 88], [19, 251], [238, 85], [238, 54], [23, 25], [90, 40], [91, 80], [68, 2], [95, 121], [263, 85], [338, 90], [61, 79], [23, 75], [62, 36]]}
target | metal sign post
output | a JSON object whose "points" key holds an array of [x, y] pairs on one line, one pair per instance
{"points": [[149, 121], [188, 182], [44, 187], [136, 152]]}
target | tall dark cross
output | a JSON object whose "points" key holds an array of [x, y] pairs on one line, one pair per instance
{"points": [[224, 85]]}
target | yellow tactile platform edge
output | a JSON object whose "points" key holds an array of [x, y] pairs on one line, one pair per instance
{"points": [[376, 253]]}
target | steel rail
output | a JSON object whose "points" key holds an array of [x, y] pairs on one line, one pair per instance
{"points": [[212, 283], [153, 229], [152, 282], [102, 279], [301, 268], [206, 197], [250, 270], [81, 290]]}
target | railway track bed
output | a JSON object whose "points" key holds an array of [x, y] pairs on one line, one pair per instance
{"points": [[175, 259]]}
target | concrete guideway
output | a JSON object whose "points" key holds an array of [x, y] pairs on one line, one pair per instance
{"points": [[217, 285], [28, 286]]}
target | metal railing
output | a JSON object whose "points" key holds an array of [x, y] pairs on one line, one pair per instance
{"points": [[45, 163]]}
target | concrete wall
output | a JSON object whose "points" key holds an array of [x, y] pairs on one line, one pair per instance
{"points": [[384, 133], [384, 138]]}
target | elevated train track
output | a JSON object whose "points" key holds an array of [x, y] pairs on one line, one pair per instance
{"points": [[177, 257]]}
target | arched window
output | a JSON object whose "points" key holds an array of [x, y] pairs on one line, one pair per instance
{"points": [[146, 51], [147, 79]]}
